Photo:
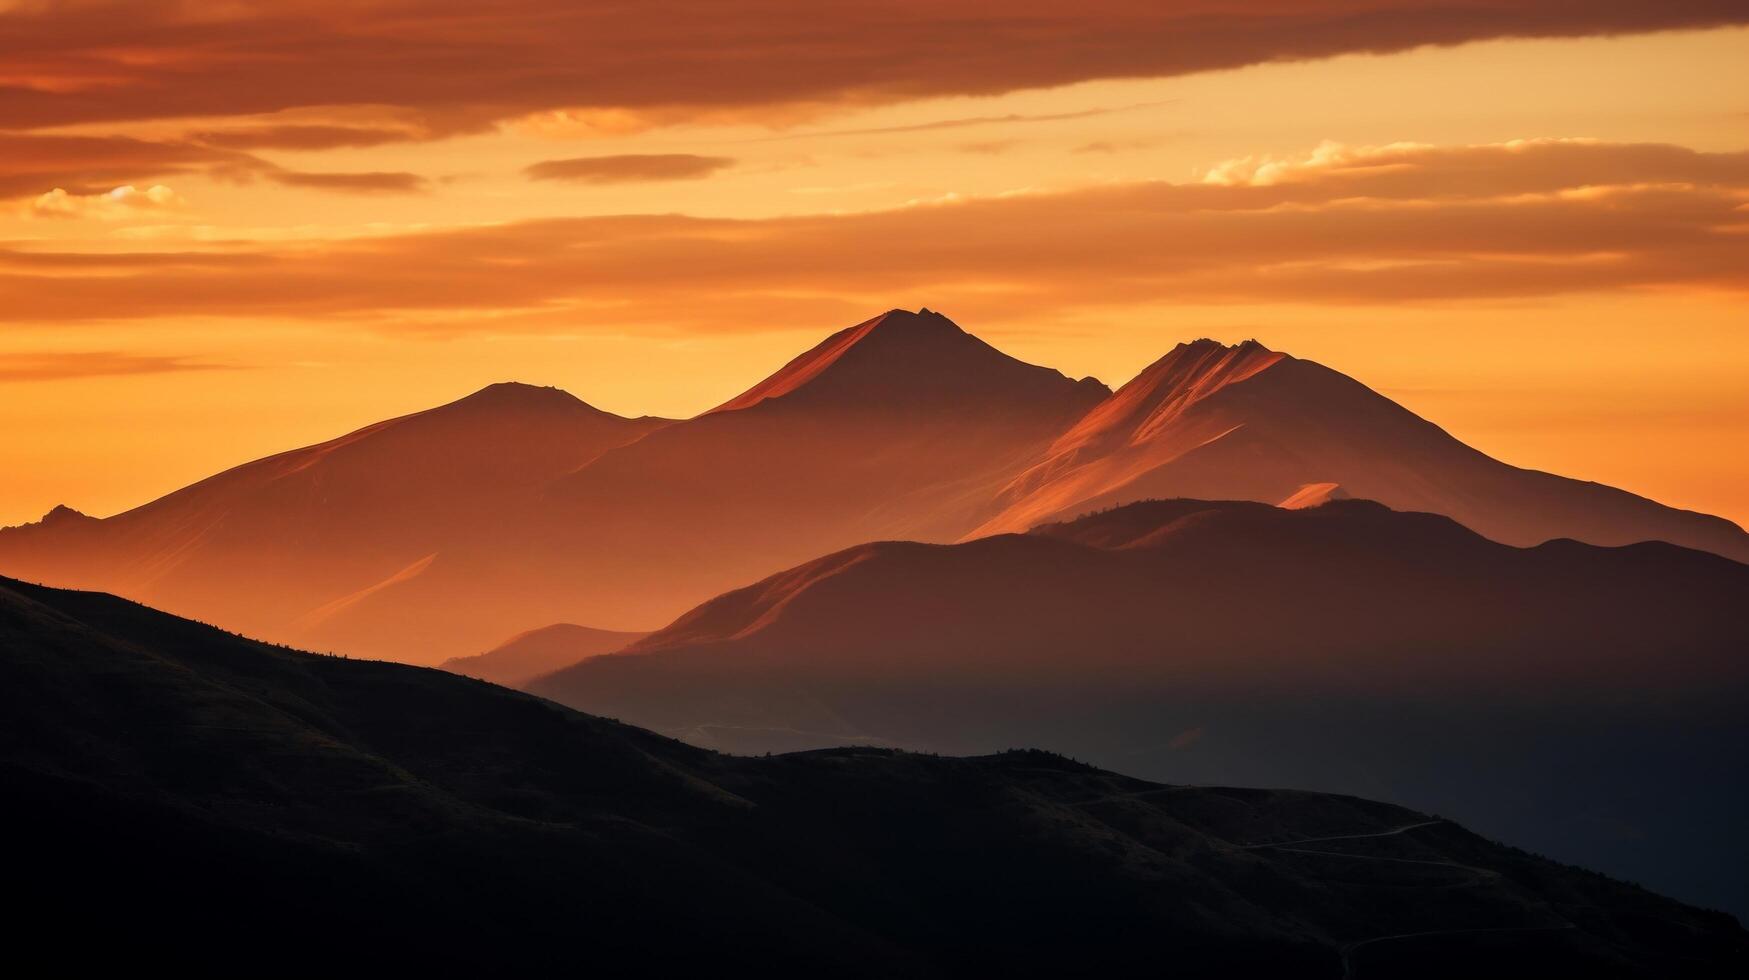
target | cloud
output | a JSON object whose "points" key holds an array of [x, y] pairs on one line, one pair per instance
{"points": [[303, 137], [377, 182], [122, 202], [1352, 225], [1116, 146], [32, 164], [69, 365], [1329, 157], [458, 64], [628, 168], [965, 121], [1518, 167]]}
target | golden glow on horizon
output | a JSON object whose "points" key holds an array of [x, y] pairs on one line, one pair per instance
{"points": [[1638, 381]]}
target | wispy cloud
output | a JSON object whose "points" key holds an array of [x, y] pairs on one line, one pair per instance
{"points": [[303, 137], [69, 365], [626, 168], [376, 182], [963, 122]]}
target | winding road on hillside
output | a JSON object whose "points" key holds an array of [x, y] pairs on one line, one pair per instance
{"points": [[1315, 840]]}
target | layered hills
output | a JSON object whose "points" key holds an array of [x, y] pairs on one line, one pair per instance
{"points": [[1344, 645], [212, 800]]}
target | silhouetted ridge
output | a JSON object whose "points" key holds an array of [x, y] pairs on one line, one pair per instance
{"points": [[1137, 589]]}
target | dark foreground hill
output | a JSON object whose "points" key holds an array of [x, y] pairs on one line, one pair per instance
{"points": [[1590, 702], [182, 798]]}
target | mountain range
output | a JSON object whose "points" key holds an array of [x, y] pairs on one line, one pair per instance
{"points": [[439, 534], [1587, 701], [207, 800]]}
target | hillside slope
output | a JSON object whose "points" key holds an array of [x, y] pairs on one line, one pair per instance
{"points": [[200, 799]]}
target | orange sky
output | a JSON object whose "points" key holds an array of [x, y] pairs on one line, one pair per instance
{"points": [[224, 232]]}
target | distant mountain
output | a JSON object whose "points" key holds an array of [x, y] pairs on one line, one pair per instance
{"points": [[292, 545], [1247, 423], [1138, 591], [1344, 645], [198, 800], [436, 535], [904, 362], [531, 654]]}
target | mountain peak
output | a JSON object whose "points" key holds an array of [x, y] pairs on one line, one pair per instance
{"points": [[520, 391], [522, 397], [1206, 364], [59, 518], [924, 321], [62, 514], [901, 357], [1187, 374], [1206, 345]]}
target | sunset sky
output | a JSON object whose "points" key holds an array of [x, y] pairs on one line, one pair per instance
{"points": [[231, 228]]}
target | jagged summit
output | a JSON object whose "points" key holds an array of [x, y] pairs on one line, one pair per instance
{"points": [[925, 319], [903, 357], [1186, 375], [1209, 343], [1204, 355], [61, 517]]}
